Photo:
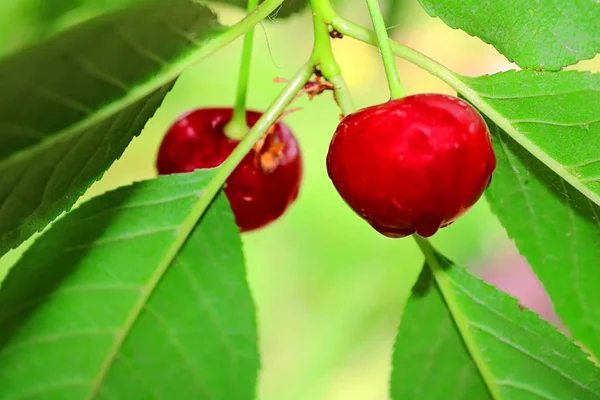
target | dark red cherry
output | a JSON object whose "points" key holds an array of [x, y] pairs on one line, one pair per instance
{"points": [[263, 185], [414, 164]]}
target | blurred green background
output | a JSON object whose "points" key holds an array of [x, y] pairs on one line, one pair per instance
{"points": [[329, 290]]}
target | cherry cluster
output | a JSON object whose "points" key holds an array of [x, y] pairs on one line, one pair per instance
{"points": [[411, 165]]}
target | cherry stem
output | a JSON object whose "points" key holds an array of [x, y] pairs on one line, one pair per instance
{"points": [[238, 127], [322, 56], [383, 42], [367, 36]]}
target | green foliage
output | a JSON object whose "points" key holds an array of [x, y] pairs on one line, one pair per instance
{"points": [[24, 23], [519, 356], [556, 228], [101, 306], [393, 11], [545, 34], [546, 193], [430, 359], [71, 106], [554, 116], [119, 298]]}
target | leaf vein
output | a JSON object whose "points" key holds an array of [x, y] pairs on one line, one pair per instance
{"points": [[140, 378], [527, 388], [583, 124], [98, 287], [141, 50], [41, 389], [119, 238], [141, 204], [534, 357], [591, 178], [190, 38], [526, 198], [95, 72], [498, 313], [179, 348], [9, 128], [574, 254], [63, 100], [213, 315], [541, 94], [54, 337]]}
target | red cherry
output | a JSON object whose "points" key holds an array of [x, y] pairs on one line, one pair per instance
{"points": [[262, 186], [414, 164]]}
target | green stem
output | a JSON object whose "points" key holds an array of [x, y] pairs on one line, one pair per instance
{"points": [[359, 33], [322, 55], [324, 9], [237, 128], [383, 42], [444, 285], [342, 95]]}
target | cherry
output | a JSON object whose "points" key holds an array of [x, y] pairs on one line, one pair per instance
{"points": [[262, 186], [414, 164]]}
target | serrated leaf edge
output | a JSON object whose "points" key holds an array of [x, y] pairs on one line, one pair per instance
{"points": [[460, 83]]}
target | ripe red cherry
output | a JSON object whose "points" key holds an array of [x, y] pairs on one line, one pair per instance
{"points": [[414, 164], [262, 186]]}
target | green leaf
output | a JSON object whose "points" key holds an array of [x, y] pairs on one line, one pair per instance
{"points": [[26, 22], [92, 311], [545, 34], [287, 8], [518, 355], [430, 359], [393, 10], [556, 228], [70, 107], [555, 116]]}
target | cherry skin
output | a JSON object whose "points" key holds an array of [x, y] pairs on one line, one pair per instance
{"points": [[414, 164], [263, 185]]}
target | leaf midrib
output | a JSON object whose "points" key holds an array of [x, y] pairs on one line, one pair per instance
{"points": [[205, 197], [184, 229], [494, 334], [443, 284], [462, 323]]}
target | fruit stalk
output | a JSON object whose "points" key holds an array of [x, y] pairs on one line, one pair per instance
{"points": [[322, 56], [385, 47], [237, 128], [367, 36]]}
